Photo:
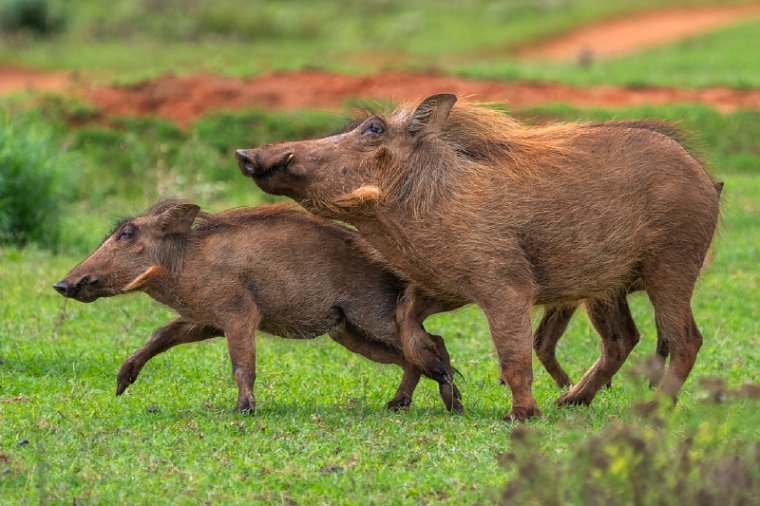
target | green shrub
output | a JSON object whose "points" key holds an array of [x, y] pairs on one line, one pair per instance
{"points": [[31, 185], [36, 16], [638, 461]]}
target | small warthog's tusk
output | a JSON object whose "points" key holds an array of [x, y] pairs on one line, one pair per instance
{"points": [[143, 278]]}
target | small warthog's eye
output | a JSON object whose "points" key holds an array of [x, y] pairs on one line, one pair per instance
{"points": [[128, 231], [374, 127]]}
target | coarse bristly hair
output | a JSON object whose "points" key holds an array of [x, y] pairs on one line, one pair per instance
{"points": [[475, 139], [478, 139]]}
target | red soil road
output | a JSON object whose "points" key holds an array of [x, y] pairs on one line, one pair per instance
{"points": [[184, 99], [14, 79], [618, 37]]}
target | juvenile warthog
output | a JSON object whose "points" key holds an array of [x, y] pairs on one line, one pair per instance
{"points": [[473, 206], [271, 268]]}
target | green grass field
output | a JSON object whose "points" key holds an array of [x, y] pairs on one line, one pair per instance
{"points": [[320, 434]]}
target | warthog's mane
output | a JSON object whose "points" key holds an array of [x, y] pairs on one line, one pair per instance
{"points": [[207, 223], [478, 139]]}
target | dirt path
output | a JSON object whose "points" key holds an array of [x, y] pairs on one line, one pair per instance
{"points": [[183, 99], [618, 37], [14, 79]]}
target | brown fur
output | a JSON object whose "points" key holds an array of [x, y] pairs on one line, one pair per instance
{"points": [[269, 268], [473, 206]]}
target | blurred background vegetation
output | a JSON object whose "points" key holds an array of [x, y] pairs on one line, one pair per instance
{"points": [[129, 41]]}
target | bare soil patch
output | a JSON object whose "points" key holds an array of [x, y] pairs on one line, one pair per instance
{"points": [[629, 34], [15, 79], [184, 99]]}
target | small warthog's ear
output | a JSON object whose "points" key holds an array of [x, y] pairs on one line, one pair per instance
{"points": [[432, 113], [178, 219]]}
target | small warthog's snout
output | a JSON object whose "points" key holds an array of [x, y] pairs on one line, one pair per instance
{"points": [[257, 163], [69, 289]]}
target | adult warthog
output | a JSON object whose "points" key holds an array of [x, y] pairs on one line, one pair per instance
{"points": [[473, 206]]}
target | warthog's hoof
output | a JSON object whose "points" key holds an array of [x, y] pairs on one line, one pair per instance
{"points": [[399, 403], [522, 414], [437, 368], [246, 405], [127, 375], [576, 397], [429, 354], [451, 397]]}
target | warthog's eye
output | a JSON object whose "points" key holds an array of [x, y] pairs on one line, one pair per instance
{"points": [[374, 127], [128, 231]]}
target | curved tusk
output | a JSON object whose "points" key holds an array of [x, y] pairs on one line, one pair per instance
{"points": [[359, 196], [143, 278]]}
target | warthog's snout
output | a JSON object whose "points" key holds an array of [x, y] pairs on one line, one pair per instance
{"points": [[69, 289], [259, 163]]}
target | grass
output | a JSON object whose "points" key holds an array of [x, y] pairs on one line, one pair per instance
{"points": [[473, 38], [716, 59], [320, 435]]}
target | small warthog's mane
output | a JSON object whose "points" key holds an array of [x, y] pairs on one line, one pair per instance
{"points": [[207, 223]]}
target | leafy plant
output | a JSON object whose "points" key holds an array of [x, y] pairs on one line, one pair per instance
{"points": [[638, 462], [31, 184], [36, 16]]}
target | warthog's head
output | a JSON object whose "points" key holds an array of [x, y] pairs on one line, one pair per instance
{"points": [[136, 251], [352, 167]]}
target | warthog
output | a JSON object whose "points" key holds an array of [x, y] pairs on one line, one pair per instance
{"points": [[473, 206], [268, 268]]}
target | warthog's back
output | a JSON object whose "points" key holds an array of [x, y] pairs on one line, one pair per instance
{"points": [[303, 272], [582, 222], [623, 198]]}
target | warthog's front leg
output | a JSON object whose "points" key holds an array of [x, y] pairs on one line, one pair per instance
{"points": [[380, 352], [418, 346], [383, 353], [179, 331], [508, 314]]}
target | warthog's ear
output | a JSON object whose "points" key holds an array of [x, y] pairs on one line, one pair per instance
{"points": [[432, 113], [178, 219]]}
